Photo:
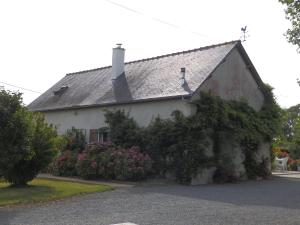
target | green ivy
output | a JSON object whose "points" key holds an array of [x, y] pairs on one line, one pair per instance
{"points": [[179, 144]]}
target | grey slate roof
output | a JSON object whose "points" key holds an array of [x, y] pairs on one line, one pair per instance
{"points": [[146, 79]]}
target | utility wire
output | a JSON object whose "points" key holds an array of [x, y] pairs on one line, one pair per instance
{"points": [[156, 19], [25, 89]]}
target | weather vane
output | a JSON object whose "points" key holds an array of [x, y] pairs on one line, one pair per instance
{"points": [[244, 34]]}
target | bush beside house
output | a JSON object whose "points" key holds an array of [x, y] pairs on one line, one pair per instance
{"points": [[103, 160], [227, 139], [228, 136], [27, 142]]}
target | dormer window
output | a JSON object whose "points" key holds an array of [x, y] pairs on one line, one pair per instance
{"points": [[61, 90]]}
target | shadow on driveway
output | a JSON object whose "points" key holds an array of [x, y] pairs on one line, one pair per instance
{"points": [[277, 192]]}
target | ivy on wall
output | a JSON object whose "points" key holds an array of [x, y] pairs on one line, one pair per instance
{"points": [[180, 145]]}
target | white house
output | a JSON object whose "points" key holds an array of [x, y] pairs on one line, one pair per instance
{"points": [[150, 87]]}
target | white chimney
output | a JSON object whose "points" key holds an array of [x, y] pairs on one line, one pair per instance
{"points": [[118, 61]]}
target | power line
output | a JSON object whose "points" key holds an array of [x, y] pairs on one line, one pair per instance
{"points": [[25, 89], [156, 19]]}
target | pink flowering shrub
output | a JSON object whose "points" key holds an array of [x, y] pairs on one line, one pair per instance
{"points": [[106, 161], [88, 161], [130, 164], [64, 165], [103, 160]]}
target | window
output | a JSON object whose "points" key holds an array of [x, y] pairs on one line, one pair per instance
{"points": [[99, 135], [75, 130]]}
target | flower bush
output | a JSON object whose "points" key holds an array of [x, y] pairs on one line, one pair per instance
{"points": [[103, 160], [130, 164], [88, 161], [64, 165]]}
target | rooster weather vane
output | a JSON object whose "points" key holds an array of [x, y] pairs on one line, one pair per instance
{"points": [[244, 34]]}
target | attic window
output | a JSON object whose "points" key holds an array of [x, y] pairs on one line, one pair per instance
{"points": [[61, 90]]}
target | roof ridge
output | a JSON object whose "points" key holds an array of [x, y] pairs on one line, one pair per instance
{"points": [[184, 52], [161, 56]]}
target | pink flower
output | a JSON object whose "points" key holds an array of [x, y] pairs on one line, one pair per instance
{"points": [[81, 157], [94, 165]]}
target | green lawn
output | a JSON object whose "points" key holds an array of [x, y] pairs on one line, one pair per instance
{"points": [[44, 190]]}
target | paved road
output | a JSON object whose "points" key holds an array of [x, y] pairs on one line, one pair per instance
{"points": [[265, 202]]}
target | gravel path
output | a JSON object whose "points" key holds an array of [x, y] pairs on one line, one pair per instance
{"points": [[274, 201]]}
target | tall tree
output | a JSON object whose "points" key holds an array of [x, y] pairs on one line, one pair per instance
{"points": [[292, 12]]}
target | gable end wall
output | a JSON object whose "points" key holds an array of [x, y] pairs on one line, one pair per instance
{"points": [[232, 80]]}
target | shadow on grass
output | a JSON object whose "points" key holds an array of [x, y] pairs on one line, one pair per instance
{"points": [[25, 194]]}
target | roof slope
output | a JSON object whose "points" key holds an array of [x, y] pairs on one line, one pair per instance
{"points": [[146, 79]]}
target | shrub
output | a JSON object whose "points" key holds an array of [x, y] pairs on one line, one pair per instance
{"points": [[26, 141], [69, 145], [108, 162], [130, 164], [75, 140], [124, 131], [85, 167], [88, 161], [64, 164], [178, 145]]}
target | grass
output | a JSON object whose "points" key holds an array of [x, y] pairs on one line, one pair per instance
{"points": [[40, 190]]}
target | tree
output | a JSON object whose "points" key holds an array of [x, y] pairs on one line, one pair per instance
{"points": [[26, 141], [293, 14], [289, 137]]}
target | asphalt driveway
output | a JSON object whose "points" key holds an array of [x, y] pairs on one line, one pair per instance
{"points": [[274, 201]]}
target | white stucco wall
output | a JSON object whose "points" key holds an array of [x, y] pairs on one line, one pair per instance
{"points": [[232, 80], [93, 118]]}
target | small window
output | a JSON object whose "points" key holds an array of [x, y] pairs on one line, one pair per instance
{"points": [[99, 135]]}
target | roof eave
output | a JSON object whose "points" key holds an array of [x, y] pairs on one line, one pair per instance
{"points": [[185, 96]]}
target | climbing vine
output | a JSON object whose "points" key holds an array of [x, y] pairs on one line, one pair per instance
{"points": [[183, 145]]}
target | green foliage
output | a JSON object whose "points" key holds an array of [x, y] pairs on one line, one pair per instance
{"points": [[179, 145], [295, 144], [27, 143], [75, 140], [64, 164], [103, 160], [68, 145], [292, 12], [127, 164], [289, 137], [88, 161], [124, 130]]}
